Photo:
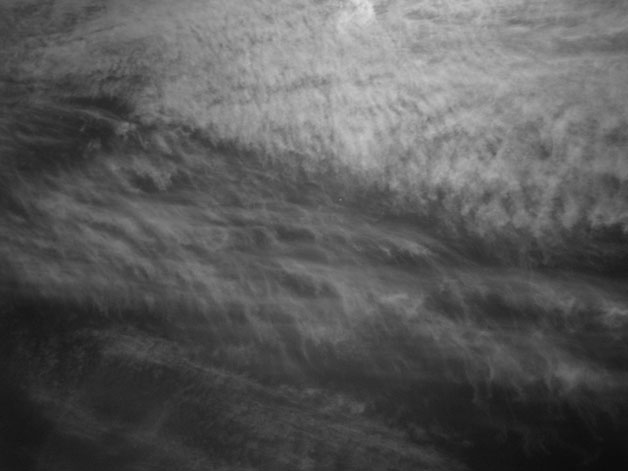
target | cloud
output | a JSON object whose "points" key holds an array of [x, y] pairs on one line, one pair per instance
{"points": [[356, 15]]}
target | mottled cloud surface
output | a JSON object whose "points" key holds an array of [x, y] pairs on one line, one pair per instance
{"points": [[507, 116]]}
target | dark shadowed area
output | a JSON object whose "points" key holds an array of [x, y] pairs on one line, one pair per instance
{"points": [[313, 235]]}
